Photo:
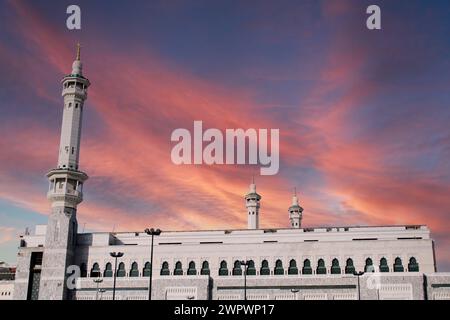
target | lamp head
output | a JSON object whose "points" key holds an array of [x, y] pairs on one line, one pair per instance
{"points": [[116, 254], [152, 231]]}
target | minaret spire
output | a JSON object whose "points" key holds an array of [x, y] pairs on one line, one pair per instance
{"points": [[295, 211], [295, 198], [78, 52], [77, 66], [252, 203]]}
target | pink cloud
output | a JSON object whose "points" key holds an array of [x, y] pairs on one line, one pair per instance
{"points": [[7, 234], [138, 98]]}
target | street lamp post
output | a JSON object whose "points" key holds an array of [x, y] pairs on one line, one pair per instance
{"points": [[358, 274], [115, 255], [245, 264], [101, 293], [153, 233], [97, 281], [294, 291]]}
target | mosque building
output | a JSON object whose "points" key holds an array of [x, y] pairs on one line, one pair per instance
{"points": [[342, 263]]}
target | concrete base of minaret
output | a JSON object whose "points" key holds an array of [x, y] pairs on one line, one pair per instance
{"points": [[60, 243]]}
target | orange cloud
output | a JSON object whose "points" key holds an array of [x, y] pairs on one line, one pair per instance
{"points": [[136, 100]]}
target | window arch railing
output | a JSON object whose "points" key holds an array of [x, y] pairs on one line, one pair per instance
{"points": [[384, 265], [264, 271], [398, 266], [321, 269], [335, 268], [134, 271], [178, 271], [191, 269], [121, 270], [146, 270], [349, 267], [205, 268], [165, 269], [237, 270], [413, 266], [306, 267], [278, 268], [293, 267], [223, 270], [251, 270], [369, 266], [95, 271], [108, 270]]}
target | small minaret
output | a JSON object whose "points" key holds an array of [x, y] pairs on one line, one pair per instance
{"points": [[252, 203], [65, 191], [295, 212]]}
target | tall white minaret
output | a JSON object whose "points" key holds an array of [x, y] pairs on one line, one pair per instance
{"points": [[295, 212], [65, 191], [252, 204]]}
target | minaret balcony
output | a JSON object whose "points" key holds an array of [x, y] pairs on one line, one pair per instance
{"points": [[73, 90], [66, 185], [65, 194]]}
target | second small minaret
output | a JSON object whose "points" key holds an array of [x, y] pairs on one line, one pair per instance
{"points": [[252, 204], [295, 212]]}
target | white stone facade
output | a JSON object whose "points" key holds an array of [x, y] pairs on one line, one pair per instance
{"points": [[271, 245]]}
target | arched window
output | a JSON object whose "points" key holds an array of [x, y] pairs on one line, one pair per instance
{"points": [[165, 269], [223, 270], [205, 268], [121, 270], [307, 267], [369, 266], [264, 268], [191, 269], [398, 266], [321, 269], [146, 270], [349, 267], [278, 268], [95, 271], [83, 270], [384, 265], [292, 267], [178, 269], [108, 270], [237, 271], [335, 268], [251, 270], [413, 266], [134, 272]]}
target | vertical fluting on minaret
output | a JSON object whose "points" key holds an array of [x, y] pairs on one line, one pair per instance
{"points": [[295, 212], [252, 203], [65, 190]]}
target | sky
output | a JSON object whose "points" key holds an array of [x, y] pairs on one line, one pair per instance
{"points": [[363, 115]]}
